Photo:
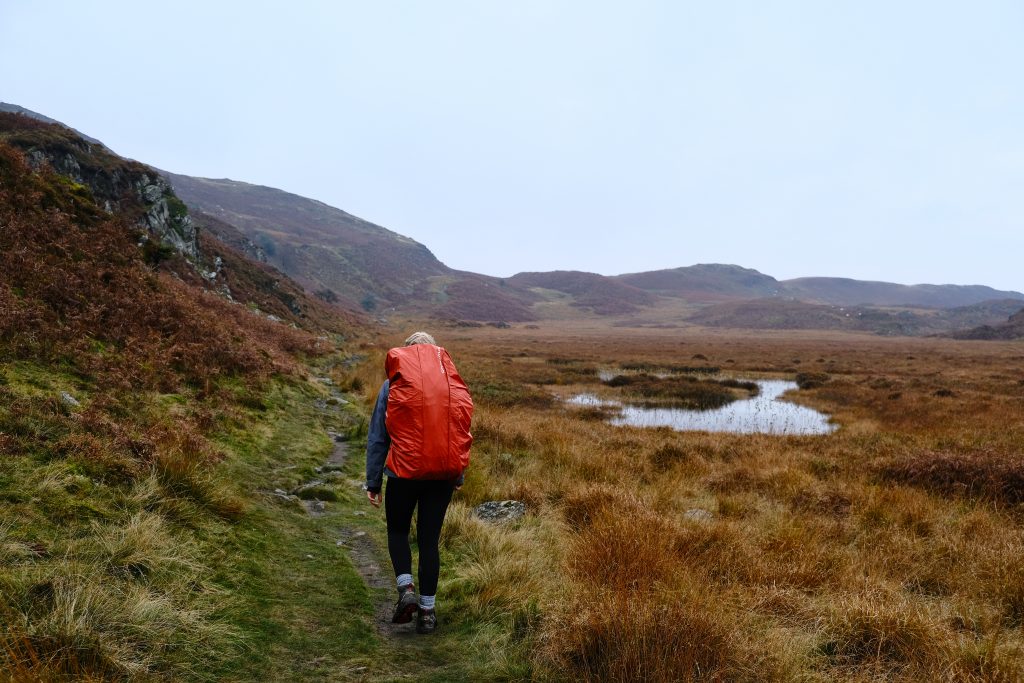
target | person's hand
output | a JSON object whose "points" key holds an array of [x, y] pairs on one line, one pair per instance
{"points": [[374, 498]]}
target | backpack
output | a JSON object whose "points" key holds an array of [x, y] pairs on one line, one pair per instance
{"points": [[428, 414]]}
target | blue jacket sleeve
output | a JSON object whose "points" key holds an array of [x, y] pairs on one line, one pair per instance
{"points": [[378, 442]]}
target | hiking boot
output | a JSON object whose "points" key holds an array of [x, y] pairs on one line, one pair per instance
{"points": [[426, 621], [406, 605]]}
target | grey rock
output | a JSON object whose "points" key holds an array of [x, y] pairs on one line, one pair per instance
{"points": [[500, 511], [164, 216], [308, 485], [69, 400], [174, 229], [283, 495], [152, 193], [698, 515]]}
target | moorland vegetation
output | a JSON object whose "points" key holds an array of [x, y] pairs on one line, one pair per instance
{"points": [[156, 422], [889, 550]]}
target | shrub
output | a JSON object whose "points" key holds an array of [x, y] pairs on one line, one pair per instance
{"points": [[811, 380], [880, 634], [618, 637], [582, 506], [982, 474], [683, 392], [668, 455], [504, 393]]}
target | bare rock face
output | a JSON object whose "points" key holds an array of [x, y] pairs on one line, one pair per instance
{"points": [[166, 217], [116, 184], [500, 511]]}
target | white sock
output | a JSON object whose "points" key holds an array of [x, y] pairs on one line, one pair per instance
{"points": [[427, 601], [403, 580]]}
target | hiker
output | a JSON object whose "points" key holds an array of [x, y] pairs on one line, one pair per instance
{"points": [[419, 437]]}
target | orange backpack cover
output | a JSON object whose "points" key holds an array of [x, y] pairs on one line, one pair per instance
{"points": [[428, 414]]}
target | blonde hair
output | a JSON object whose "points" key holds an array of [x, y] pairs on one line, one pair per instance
{"points": [[420, 338]]}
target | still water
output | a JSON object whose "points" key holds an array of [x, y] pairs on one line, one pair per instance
{"points": [[765, 413]]}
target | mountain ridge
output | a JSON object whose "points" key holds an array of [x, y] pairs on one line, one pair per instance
{"points": [[356, 264]]}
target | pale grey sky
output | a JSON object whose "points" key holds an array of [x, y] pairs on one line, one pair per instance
{"points": [[860, 138]]}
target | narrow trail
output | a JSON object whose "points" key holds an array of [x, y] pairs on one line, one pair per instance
{"points": [[370, 560]]}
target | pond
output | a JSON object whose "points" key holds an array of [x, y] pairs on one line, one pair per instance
{"points": [[765, 413]]}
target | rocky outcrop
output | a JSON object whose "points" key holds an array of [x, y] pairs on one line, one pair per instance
{"points": [[116, 184], [163, 215], [166, 216], [1012, 329]]}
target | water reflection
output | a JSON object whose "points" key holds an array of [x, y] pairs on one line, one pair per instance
{"points": [[765, 413]]}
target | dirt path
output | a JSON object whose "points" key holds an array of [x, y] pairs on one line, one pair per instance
{"points": [[367, 557]]}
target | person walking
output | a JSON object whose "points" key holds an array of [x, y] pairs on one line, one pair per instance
{"points": [[419, 438]]}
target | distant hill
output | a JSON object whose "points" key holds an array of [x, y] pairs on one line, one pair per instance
{"points": [[590, 291], [1013, 328], [715, 282], [789, 314], [847, 292], [705, 282], [325, 248], [347, 260], [355, 264]]}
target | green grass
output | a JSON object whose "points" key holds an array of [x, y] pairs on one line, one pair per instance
{"points": [[312, 619], [299, 616], [181, 584]]}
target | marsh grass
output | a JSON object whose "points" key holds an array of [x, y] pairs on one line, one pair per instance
{"points": [[988, 475], [104, 571], [888, 550], [679, 391], [113, 603]]}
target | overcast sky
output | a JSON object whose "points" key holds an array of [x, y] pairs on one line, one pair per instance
{"points": [[876, 140]]}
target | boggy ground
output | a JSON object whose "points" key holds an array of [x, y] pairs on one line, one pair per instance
{"points": [[889, 550]]}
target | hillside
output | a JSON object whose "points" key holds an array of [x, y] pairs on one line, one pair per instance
{"points": [[846, 292], [214, 259], [125, 365], [352, 264], [16, 109], [705, 282], [173, 417], [589, 291], [347, 259], [1012, 328], [324, 248], [789, 314]]}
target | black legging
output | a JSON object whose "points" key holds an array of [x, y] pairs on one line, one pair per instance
{"points": [[401, 496]]}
